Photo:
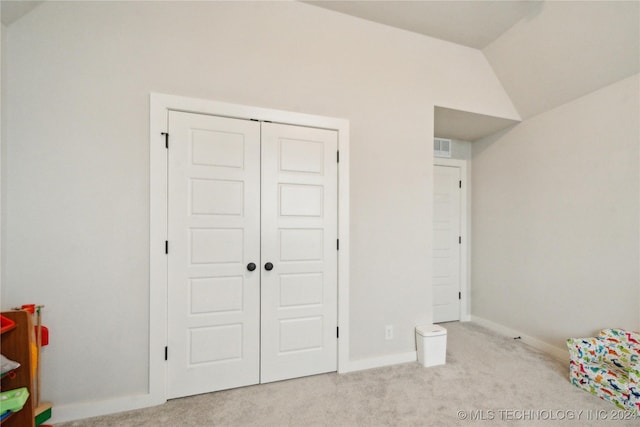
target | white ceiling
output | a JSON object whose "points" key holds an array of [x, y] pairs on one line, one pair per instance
{"points": [[545, 53], [470, 23], [565, 51], [12, 10], [465, 126]]}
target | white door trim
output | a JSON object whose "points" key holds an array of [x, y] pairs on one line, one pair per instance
{"points": [[160, 104], [465, 252]]}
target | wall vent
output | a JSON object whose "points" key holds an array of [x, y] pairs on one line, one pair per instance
{"points": [[442, 147]]}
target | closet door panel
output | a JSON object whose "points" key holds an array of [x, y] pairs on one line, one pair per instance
{"points": [[214, 233], [299, 232]]}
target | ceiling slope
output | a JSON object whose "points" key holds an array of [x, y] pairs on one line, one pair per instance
{"points": [[565, 51], [470, 23], [466, 126], [545, 53], [12, 10]]}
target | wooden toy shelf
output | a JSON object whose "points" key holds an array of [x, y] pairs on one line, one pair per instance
{"points": [[16, 345]]}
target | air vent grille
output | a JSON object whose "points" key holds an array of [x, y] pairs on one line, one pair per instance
{"points": [[442, 147]]}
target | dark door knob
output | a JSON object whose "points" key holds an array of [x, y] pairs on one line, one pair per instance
{"points": [[251, 266], [268, 266]]}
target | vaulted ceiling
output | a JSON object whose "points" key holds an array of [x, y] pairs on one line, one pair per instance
{"points": [[470, 23], [11, 11], [545, 53]]}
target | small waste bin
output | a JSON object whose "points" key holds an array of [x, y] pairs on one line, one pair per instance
{"points": [[431, 341]]}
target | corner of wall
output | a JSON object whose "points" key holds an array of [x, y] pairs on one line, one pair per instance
{"points": [[511, 111], [536, 251], [2, 157], [557, 353]]}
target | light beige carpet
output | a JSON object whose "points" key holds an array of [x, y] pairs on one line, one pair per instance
{"points": [[489, 380]]}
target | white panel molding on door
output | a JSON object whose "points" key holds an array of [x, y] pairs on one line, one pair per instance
{"points": [[450, 241], [303, 289], [299, 232], [447, 239], [214, 233]]}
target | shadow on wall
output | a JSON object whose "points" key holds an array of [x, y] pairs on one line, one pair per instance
{"points": [[480, 145]]}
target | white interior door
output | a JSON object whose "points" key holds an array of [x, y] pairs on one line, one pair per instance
{"points": [[214, 233], [446, 243], [241, 192], [299, 232]]}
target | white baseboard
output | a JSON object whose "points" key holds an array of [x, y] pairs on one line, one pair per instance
{"points": [[83, 410], [553, 351], [77, 411], [378, 362]]}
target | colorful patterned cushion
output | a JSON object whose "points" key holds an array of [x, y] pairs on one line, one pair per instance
{"points": [[608, 366]]}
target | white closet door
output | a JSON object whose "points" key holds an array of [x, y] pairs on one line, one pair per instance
{"points": [[299, 232], [446, 243], [214, 221]]}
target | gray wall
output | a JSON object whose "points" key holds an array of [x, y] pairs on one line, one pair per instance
{"points": [[77, 118], [3, 181], [556, 219]]}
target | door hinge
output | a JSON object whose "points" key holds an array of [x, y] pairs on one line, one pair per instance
{"points": [[337, 244], [166, 353], [338, 156], [166, 139], [459, 295], [459, 184], [460, 240], [337, 332], [166, 246]]}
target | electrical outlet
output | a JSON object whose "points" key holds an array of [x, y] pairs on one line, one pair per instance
{"points": [[388, 332]]}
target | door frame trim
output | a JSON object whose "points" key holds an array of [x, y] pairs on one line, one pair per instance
{"points": [[159, 107], [465, 232]]}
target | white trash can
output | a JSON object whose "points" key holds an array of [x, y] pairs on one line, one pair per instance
{"points": [[431, 341]]}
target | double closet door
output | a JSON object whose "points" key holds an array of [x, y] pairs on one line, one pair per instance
{"points": [[252, 254]]}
